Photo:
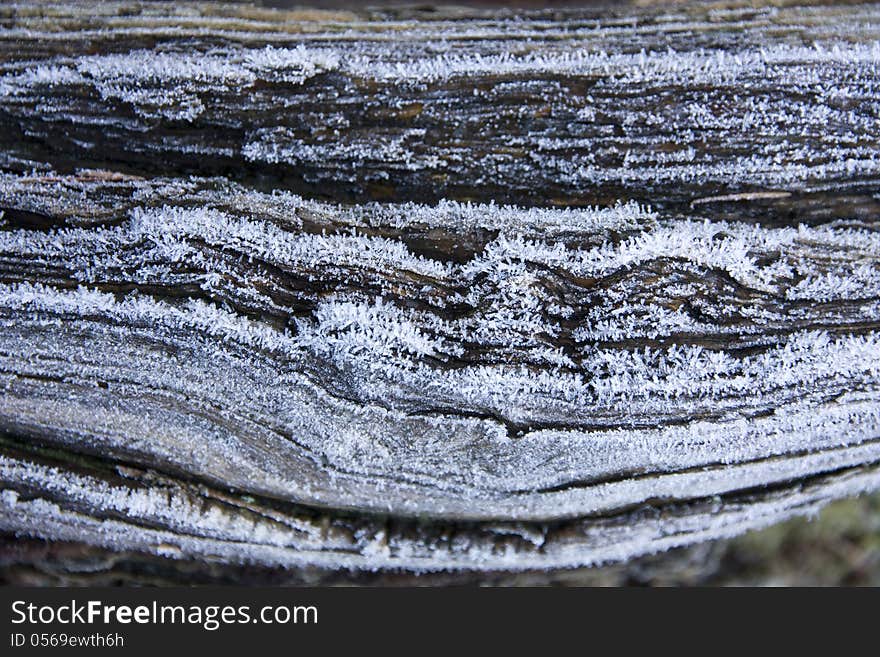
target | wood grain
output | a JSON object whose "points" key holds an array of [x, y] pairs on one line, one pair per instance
{"points": [[466, 290]]}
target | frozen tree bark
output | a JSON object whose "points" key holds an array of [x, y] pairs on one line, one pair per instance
{"points": [[434, 291]]}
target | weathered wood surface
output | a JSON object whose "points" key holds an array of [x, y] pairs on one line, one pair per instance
{"points": [[434, 291], [839, 546]]}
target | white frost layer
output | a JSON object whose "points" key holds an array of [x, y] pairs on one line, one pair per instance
{"points": [[449, 462], [505, 281], [172, 84], [498, 385], [373, 548], [699, 67]]}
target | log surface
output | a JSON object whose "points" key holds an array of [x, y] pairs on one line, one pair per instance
{"points": [[459, 290]]}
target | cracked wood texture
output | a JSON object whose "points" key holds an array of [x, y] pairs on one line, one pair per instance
{"points": [[452, 290]]}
